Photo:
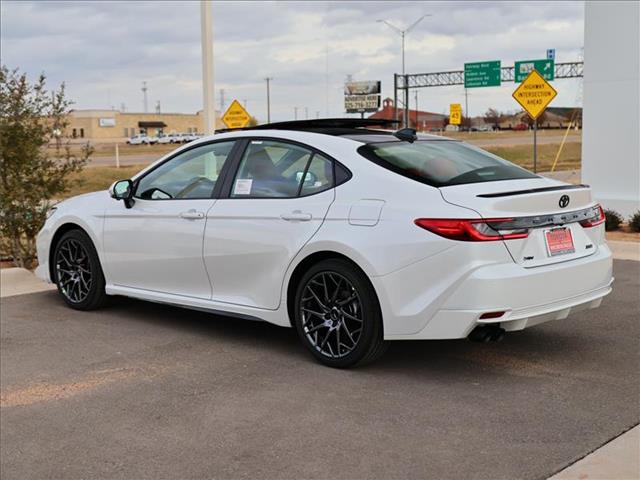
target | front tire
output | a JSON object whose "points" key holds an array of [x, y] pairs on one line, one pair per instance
{"points": [[337, 315], [77, 271]]}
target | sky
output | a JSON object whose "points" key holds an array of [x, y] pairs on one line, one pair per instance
{"points": [[103, 51]]}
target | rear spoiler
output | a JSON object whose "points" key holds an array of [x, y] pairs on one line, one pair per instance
{"points": [[532, 190]]}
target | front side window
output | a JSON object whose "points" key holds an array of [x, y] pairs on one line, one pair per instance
{"points": [[192, 174], [270, 169], [442, 163]]}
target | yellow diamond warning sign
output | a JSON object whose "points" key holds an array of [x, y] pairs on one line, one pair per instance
{"points": [[534, 94], [455, 114], [236, 116]]}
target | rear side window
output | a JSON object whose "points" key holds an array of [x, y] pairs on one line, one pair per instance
{"points": [[442, 163], [270, 169]]}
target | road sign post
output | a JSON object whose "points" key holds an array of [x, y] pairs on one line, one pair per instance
{"points": [[535, 146], [534, 95]]}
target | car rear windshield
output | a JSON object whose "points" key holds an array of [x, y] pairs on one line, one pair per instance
{"points": [[442, 163]]}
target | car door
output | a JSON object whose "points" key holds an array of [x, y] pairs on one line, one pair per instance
{"points": [[275, 202], [157, 243]]}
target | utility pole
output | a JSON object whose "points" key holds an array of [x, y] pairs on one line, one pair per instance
{"points": [[221, 100], [157, 106], [268, 79], [466, 105], [403, 34], [416, 92], [145, 105], [306, 113], [244, 102], [206, 36], [295, 113]]}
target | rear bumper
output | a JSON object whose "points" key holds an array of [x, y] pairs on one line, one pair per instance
{"points": [[528, 296]]}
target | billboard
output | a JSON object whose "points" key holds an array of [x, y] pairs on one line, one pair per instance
{"points": [[362, 97]]}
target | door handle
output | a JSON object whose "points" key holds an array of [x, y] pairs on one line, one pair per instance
{"points": [[296, 216], [192, 215]]}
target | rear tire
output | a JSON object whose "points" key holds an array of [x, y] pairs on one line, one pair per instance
{"points": [[337, 315], [77, 272]]}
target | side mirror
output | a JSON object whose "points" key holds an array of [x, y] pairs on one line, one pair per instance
{"points": [[122, 190]]}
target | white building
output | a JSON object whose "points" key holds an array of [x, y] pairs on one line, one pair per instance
{"points": [[611, 123]]}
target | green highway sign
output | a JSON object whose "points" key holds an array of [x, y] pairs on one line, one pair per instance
{"points": [[482, 74], [545, 67]]}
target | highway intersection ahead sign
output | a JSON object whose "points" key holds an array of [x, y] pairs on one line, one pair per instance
{"points": [[236, 116], [534, 94]]}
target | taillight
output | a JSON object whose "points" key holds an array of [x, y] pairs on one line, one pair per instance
{"points": [[597, 218], [473, 230]]}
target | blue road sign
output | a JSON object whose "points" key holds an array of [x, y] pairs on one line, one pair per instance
{"points": [[551, 54]]}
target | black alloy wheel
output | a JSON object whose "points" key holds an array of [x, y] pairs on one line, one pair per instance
{"points": [[77, 271], [337, 315]]}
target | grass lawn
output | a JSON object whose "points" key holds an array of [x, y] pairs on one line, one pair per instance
{"points": [[522, 155], [470, 136], [98, 178]]}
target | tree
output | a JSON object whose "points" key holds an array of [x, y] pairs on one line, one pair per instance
{"points": [[32, 121], [527, 120], [493, 117]]}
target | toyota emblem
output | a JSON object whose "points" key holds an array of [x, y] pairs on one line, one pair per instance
{"points": [[564, 201]]}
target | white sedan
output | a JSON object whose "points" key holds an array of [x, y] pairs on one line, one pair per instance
{"points": [[352, 236]]}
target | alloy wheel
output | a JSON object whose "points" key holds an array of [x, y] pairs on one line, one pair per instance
{"points": [[331, 313], [73, 270]]}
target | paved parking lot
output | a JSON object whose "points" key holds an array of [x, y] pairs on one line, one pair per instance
{"points": [[147, 391]]}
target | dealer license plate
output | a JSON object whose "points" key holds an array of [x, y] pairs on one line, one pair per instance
{"points": [[559, 241]]}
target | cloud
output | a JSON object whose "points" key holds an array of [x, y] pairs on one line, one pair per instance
{"points": [[104, 50]]}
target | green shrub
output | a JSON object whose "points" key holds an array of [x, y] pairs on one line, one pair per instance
{"points": [[634, 222], [612, 220]]}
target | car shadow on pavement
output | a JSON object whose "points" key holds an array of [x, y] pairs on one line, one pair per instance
{"points": [[528, 353]]}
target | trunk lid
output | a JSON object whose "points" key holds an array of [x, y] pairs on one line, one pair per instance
{"points": [[540, 203]]}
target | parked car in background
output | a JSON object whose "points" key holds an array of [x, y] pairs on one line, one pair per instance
{"points": [[138, 139], [152, 139], [350, 235], [163, 138]]}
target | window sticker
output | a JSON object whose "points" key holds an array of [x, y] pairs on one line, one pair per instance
{"points": [[256, 142], [242, 186]]}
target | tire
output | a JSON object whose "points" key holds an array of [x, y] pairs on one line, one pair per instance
{"points": [[77, 272], [340, 324]]}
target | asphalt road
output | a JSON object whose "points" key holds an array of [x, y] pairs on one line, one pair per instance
{"points": [[139, 390]]}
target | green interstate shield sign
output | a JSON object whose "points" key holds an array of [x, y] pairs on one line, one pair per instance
{"points": [[545, 67], [482, 74]]}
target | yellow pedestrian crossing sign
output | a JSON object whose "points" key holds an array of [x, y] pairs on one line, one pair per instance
{"points": [[236, 116], [455, 114], [534, 94]]}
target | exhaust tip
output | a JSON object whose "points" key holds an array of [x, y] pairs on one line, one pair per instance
{"points": [[487, 333]]}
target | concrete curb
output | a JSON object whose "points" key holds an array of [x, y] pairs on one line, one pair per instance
{"points": [[18, 281], [625, 250], [618, 459]]}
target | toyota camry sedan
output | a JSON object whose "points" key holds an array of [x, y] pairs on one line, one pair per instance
{"points": [[349, 233]]}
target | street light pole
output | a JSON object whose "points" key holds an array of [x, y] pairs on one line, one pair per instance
{"points": [[206, 35], [403, 33], [268, 79]]}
